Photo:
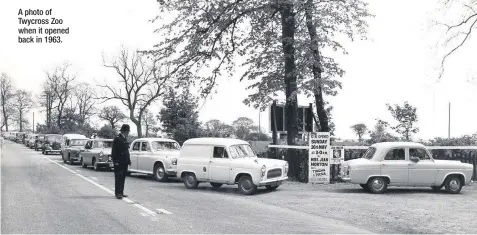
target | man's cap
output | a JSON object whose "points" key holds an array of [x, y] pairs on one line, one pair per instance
{"points": [[125, 127]]}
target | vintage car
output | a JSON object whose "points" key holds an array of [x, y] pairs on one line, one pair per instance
{"points": [[71, 146], [97, 153], [405, 164], [31, 141], [52, 144], [39, 142], [228, 161], [154, 156]]}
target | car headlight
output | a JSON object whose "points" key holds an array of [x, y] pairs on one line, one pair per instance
{"points": [[109, 158], [263, 170], [286, 168], [174, 161], [101, 154]]}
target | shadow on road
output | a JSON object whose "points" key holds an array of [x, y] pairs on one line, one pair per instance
{"points": [[394, 191]]}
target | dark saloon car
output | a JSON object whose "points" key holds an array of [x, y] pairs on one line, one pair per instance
{"points": [[52, 144]]}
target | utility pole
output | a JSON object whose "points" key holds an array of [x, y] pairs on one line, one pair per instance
{"points": [[33, 122], [448, 131], [259, 127]]}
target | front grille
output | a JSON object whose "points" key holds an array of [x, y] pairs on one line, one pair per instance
{"points": [[274, 173], [56, 146]]}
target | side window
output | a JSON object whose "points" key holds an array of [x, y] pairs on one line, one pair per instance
{"points": [[395, 154], [219, 152], [136, 146], [145, 146], [419, 153]]}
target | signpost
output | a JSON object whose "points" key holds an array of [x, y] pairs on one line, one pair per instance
{"points": [[319, 158]]}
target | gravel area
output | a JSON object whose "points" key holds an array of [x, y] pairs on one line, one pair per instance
{"points": [[399, 210]]}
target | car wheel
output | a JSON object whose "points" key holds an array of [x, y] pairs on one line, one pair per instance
{"points": [[46, 153], [83, 164], [246, 185], [436, 188], [64, 159], [453, 184], [377, 185], [216, 185], [190, 181], [43, 152], [159, 173], [95, 165], [364, 186], [269, 187], [69, 160]]}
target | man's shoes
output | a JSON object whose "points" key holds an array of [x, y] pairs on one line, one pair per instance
{"points": [[124, 195], [119, 196]]}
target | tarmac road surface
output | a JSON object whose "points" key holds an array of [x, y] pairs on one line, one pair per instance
{"points": [[41, 194]]}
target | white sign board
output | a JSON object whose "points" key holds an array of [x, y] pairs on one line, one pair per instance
{"points": [[337, 154], [319, 158]]}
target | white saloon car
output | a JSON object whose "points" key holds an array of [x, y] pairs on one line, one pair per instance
{"points": [[154, 156], [97, 153], [405, 164], [228, 161]]}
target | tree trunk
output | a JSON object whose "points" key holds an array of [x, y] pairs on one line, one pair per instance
{"points": [[21, 120], [288, 47], [112, 124], [317, 69], [5, 120]]}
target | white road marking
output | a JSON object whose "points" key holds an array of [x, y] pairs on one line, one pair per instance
{"points": [[148, 211], [94, 178], [162, 211]]}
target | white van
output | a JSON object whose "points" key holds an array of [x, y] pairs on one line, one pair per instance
{"points": [[228, 161], [71, 146]]}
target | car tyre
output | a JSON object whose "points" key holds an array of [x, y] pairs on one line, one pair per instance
{"points": [[83, 164], [95, 165], [269, 187], [246, 185], [43, 152], [216, 185], [377, 185], [453, 184], [190, 181], [69, 160], [160, 173]]}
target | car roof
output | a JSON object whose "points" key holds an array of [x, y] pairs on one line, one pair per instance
{"points": [[75, 136], [102, 139], [214, 141], [388, 145], [155, 139]]}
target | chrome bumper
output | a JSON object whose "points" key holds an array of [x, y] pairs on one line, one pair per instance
{"points": [[171, 171], [345, 179], [273, 182]]}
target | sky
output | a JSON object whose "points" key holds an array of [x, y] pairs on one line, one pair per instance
{"points": [[397, 63]]}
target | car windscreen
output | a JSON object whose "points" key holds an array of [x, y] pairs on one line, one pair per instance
{"points": [[78, 142], [103, 144], [241, 151], [54, 138], [41, 138], [369, 153], [165, 145]]}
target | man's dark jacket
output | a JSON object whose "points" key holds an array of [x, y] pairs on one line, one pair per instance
{"points": [[120, 150]]}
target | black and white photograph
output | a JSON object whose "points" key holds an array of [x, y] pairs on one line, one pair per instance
{"points": [[238, 117]]}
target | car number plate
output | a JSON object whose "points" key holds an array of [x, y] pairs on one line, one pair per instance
{"points": [[110, 164]]}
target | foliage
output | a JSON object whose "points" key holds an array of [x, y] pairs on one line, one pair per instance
{"points": [[112, 114], [7, 96], [216, 128], [257, 136], [380, 133], [141, 83], [107, 132], [360, 129], [23, 104], [179, 117], [406, 116], [243, 126]]}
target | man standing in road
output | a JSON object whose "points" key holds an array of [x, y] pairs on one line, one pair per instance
{"points": [[121, 160]]}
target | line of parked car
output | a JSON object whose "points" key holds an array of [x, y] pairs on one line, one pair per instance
{"points": [[217, 161]]}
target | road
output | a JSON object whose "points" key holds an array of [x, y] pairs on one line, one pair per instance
{"points": [[41, 194]]}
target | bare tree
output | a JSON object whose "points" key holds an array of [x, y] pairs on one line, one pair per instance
{"points": [[150, 122], [112, 114], [85, 101], [458, 33], [23, 104], [140, 81], [6, 98], [60, 83]]}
